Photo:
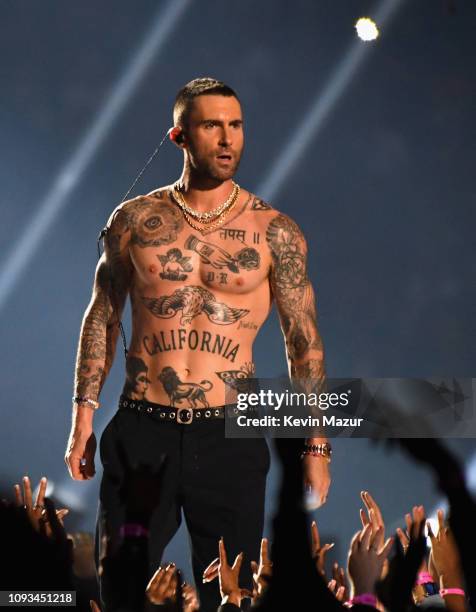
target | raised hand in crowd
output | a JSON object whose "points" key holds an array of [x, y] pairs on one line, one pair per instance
{"points": [[163, 589], [262, 572], [229, 577], [338, 584], [365, 561], [337, 590], [190, 598], [319, 552], [447, 563], [417, 516], [36, 560], [373, 516], [36, 511], [395, 590], [451, 480]]}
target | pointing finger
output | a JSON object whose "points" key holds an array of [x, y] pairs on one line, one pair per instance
{"points": [[41, 492], [27, 496], [316, 541], [18, 495], [222, 552], [263, 554], [441, 520], [238, 561]]}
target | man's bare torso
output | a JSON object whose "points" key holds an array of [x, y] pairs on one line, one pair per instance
{"points": [[198, 300]]}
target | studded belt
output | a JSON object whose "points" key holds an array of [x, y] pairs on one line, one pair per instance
{"points": [[184, 416]]}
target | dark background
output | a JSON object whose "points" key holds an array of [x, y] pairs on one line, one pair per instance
{"points": [[383, 188]]}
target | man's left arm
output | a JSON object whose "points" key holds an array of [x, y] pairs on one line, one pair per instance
{"points": [[295, 302]]}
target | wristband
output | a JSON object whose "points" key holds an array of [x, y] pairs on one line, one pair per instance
{"points": [[133, 530], [424, 578], [79, 399], [318, 450], [366, 599], [444, 592]]}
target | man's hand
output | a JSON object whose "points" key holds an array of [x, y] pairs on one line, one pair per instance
{"points": [[366, 558], [319, 552], [374, 516], [162, 586], [80, 452], [317, 478], [261, 573], [229, 577], [36, 511], [445, 553]]}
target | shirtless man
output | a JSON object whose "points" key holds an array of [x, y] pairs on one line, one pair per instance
{"points": [[199, 294]]}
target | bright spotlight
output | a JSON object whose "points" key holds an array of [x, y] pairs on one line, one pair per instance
{"points": [[366, 29]]}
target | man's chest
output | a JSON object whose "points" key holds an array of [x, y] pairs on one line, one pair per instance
{"points": [[234, 259]]}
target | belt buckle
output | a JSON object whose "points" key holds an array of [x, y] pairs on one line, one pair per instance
{"points": [[184, 416]]}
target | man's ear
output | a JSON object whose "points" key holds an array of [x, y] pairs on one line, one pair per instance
{"points": [[177, 136]]}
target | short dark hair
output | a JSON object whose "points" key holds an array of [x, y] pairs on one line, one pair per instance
{"points": [[193, 89]]}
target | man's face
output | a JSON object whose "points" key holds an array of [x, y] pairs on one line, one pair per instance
{"points": [[142, 382], [214, 136]]}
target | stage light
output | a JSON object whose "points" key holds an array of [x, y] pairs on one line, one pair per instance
{"points": [[16, 261], [305, 133], [366, 29]]}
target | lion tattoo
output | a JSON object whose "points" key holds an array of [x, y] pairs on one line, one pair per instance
{"points": [[179, 391]]}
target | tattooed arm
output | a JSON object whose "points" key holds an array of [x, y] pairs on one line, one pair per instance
{"points": [[295, 302], [97, 340]]}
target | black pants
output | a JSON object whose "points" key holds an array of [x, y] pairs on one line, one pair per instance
{"points": [[218, 482]]}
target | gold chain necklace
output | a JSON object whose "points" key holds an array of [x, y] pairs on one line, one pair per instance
{"points": [[209, 216], [213, 225]]}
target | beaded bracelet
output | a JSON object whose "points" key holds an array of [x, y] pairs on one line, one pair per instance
{"points": [[79, 399]]}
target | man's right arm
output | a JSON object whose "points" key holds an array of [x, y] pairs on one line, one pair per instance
{"points": [[98, 339]]}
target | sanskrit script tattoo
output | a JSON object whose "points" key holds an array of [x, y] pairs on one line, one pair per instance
{"points": [[154, 222], [174, 265], [293, 291], [137, 381], [246, 258], [233, 234], [179, 391], [193, 301]]}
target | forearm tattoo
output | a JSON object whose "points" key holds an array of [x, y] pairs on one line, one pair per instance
{"points": [[99, 328], [295, 300]]}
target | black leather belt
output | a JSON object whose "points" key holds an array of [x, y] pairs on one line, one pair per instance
{"points": [[184, 416]]}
